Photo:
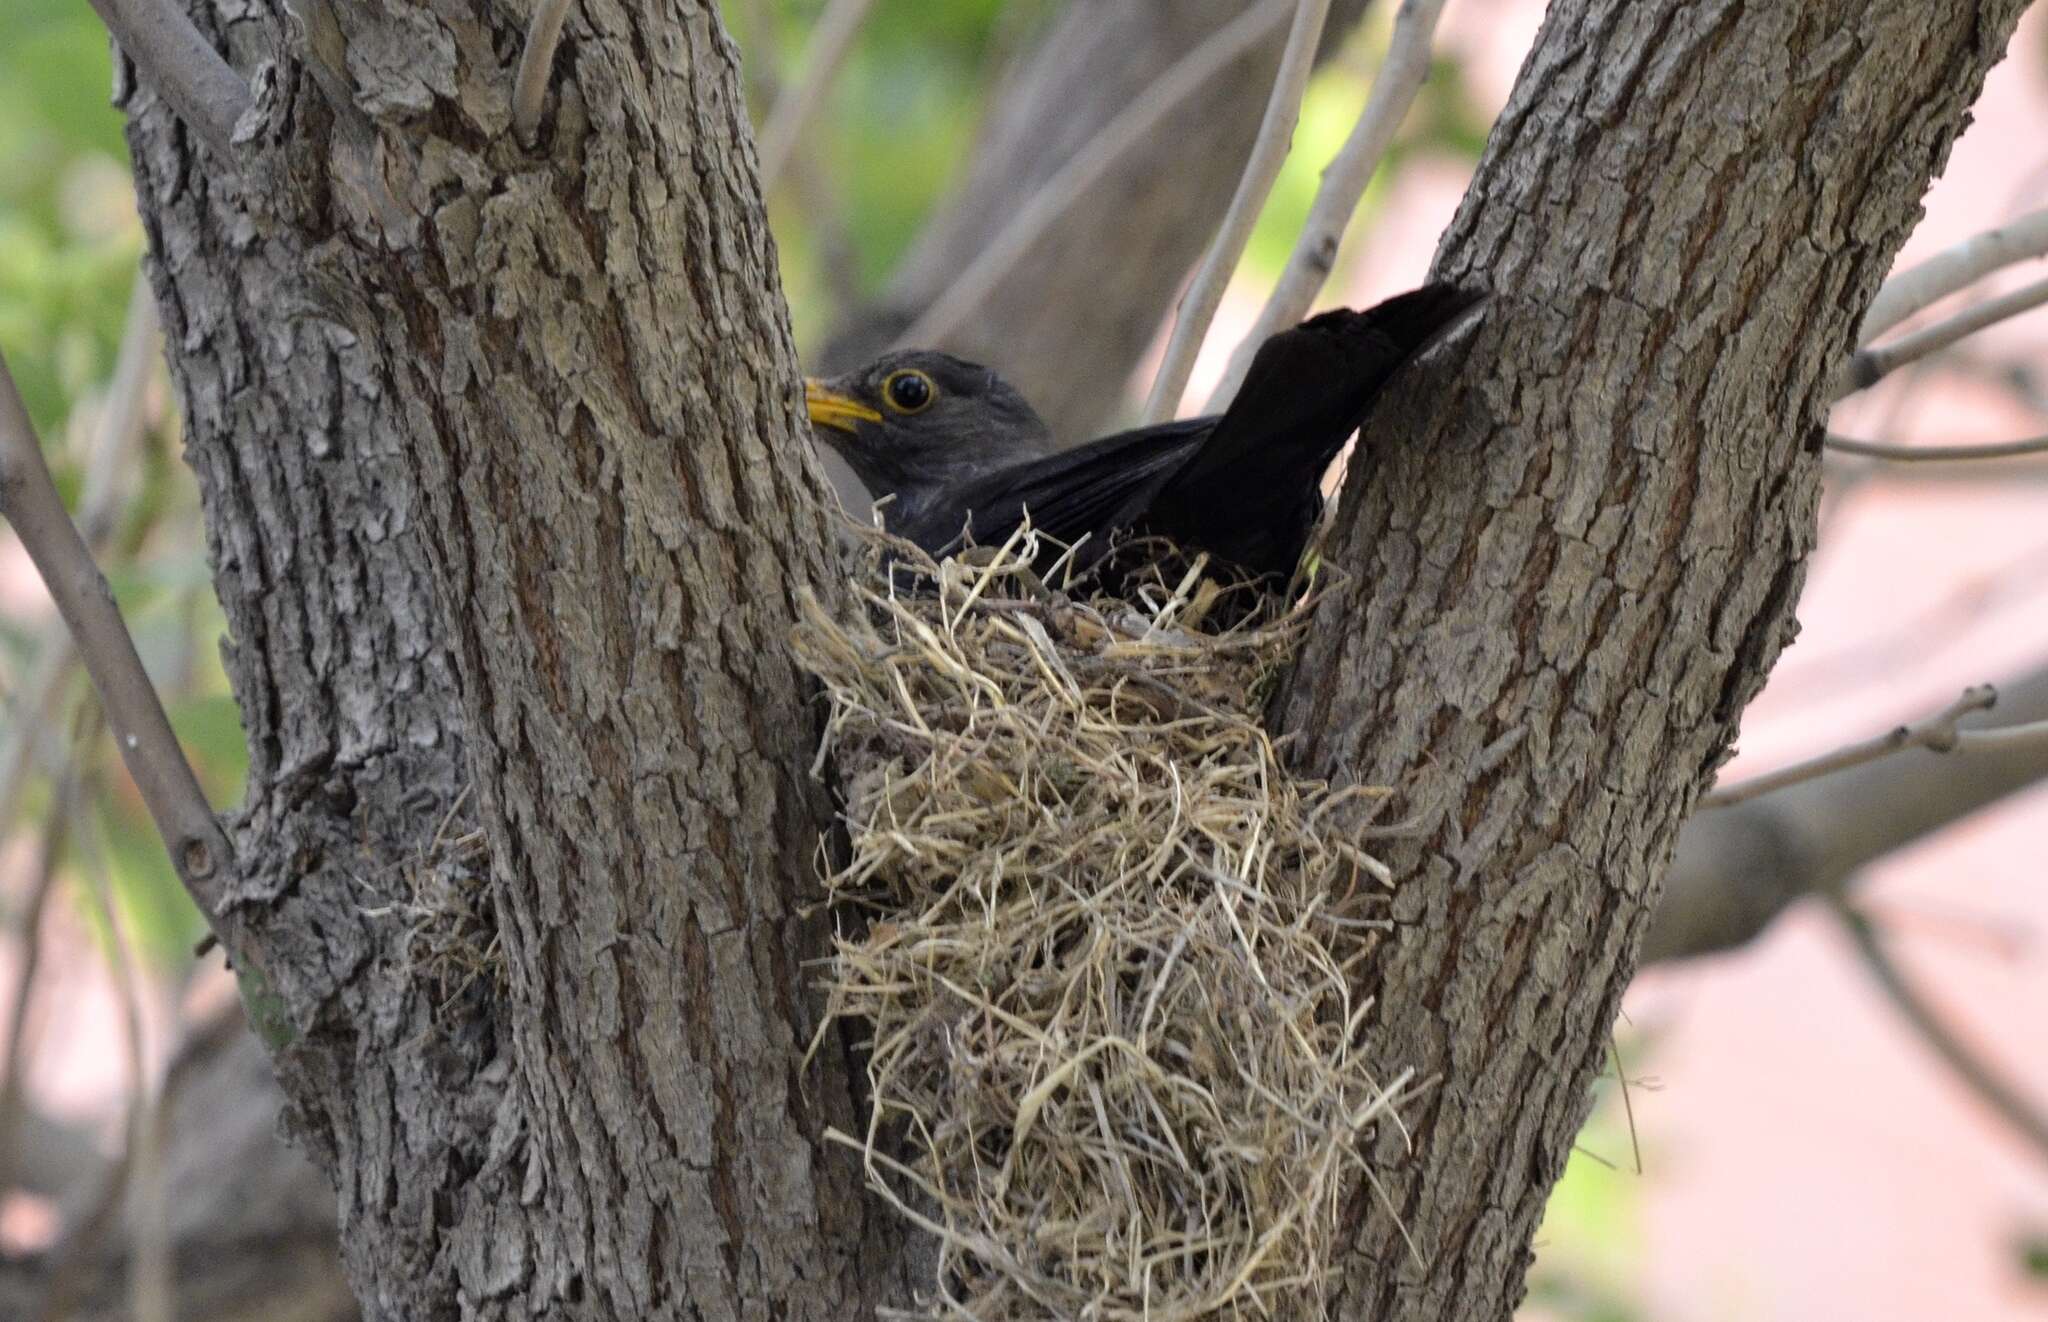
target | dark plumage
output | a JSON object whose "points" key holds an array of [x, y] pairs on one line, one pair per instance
{"points": [[961, 450]]}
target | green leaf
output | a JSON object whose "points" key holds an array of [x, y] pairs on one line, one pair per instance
{"points": [[161, 920], [210, 731]]}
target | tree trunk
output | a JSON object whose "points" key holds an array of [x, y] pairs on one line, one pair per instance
{"points": [[1578, 561], [507, 482], [507, 487]]}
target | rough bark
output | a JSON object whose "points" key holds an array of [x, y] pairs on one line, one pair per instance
{"points": [[504, 470], [505, 484], [1069, 324], [1580, 558]]}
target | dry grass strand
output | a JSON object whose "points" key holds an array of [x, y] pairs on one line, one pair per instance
{"points": [[1099, 944]]}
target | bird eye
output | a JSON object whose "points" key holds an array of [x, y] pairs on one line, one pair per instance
{"points": [[909, 391]]}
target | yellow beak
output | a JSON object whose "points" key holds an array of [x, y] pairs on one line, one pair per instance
{"points": [[830, 409]]}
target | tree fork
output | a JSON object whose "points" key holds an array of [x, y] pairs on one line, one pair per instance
{"points": [[528, 503]]}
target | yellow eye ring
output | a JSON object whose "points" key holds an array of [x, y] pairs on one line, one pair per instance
{"points": [[909, 391]]}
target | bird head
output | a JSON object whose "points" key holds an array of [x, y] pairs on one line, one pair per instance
{"points": [[916, 420]]}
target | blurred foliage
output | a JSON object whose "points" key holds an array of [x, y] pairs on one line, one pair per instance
{"points": [[68, 234], [69, 247], [904, 111], [1589, 1249], [899, 120], [2033, 1256]]}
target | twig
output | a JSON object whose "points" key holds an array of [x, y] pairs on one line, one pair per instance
{"points": [[1736, 870], [2000, 1096], [68, 1259], [29, 921], [830, 42], [150, 1292], [1971, 478], [1867, 367], [186, 71], [1938, 735], [1953, 269], [116, 433], [1929, 454], [1089, 166], [35, 699], [29, 500], [1269, 151], [1628, 1106], [152, 1280], [2004, 737], [536, 63], [1400, 80]]}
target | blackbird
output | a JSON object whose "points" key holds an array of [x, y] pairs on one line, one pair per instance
{"points": [[966, 457]]}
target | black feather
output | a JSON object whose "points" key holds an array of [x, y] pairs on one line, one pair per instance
{"points": [[1244, 486], [1251, 494]]}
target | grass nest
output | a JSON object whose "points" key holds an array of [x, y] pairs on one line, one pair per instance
{"points": [[1100, 946], [450, 938]]}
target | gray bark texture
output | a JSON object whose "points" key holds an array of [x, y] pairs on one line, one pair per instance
{"points": [[509, 500], [507, 485], [1069, 323], [1580, 559]]}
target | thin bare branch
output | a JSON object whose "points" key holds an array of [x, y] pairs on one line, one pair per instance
{"points": [[1090, 166], [150, 1292], [1867, 367], [1737, 869], [76, 1248], [182, 67], [2002, 738], [1939, 454], [2010, 1105], [116, 433], [1269, 151], [29, 930], [29, 500], [1953, 269], [536, 65], [830, 43], [1344, 181], [2024, 476], [1937, 734]]}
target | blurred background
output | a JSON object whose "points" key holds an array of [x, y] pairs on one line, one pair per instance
{"points": [[1788, 1146]]}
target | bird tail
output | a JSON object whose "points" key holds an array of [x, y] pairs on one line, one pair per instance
{"points": [[1307, 390], [1310, 386]]}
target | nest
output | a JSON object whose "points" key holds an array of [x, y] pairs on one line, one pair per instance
{"points": [[450, 939], [1099, 945]]}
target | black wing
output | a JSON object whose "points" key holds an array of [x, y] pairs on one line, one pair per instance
{"points": [[1243, 487], [1088, 491]]}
